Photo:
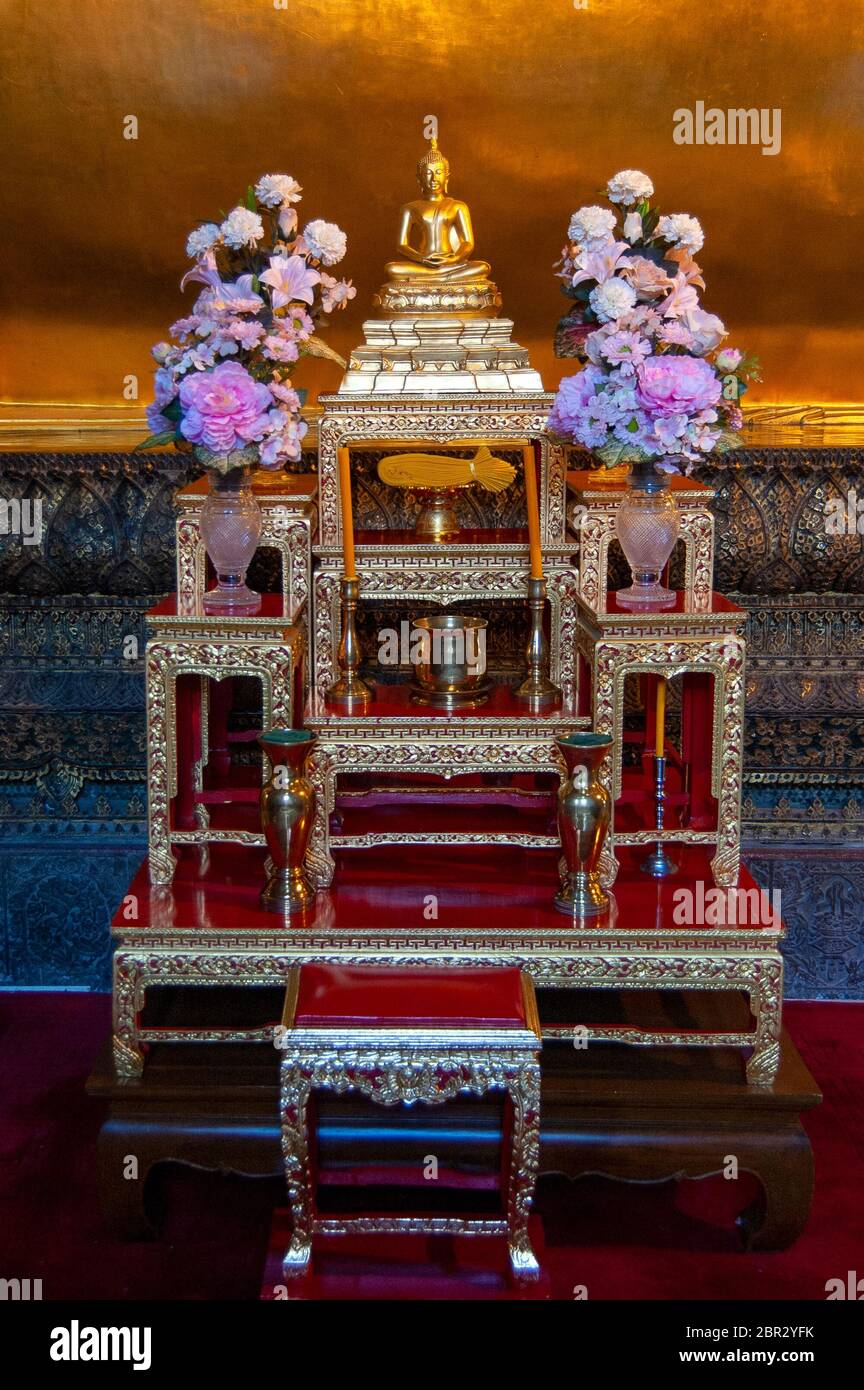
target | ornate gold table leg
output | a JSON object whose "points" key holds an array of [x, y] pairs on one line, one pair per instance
{"points": [[525, 1158], [127, 1051], [161, 755], [766, 1004], [321, 774], [295, 1089]]}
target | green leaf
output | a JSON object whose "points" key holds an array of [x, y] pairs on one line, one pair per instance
{"points": [[616, 451], [649, 221], [156, 441], [250, 199]]}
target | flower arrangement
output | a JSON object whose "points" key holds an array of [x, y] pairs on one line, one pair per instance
{"points": [[658, 384], [223, 382]]}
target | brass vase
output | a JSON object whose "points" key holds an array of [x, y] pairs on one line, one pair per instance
{"points": [[287, 810], [584, 811]]}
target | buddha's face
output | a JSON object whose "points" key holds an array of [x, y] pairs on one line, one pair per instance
{"points": [[433, 178]]}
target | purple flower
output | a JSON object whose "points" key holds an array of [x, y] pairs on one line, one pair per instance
{"points": [[633, 428], [164, 387], [670, 385], [280, 347], [224, 409], [156, 422], [574, 393], [247, 332]]}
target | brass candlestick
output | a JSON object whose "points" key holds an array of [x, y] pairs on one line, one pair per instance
{"points": [[349, 691], [537, 687], [658, 864]]}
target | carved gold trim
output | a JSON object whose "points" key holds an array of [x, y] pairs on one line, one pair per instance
{"points": [[744, 960], [441, 750], [208, 650], [611, 657], [446, 579], [384, 421]]}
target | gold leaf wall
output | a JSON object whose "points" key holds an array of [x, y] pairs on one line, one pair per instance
{"points": [[538, 104]]}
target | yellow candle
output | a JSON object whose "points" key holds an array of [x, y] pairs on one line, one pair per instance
{"points": [[660, 726], [347, 514], [533, 509]]}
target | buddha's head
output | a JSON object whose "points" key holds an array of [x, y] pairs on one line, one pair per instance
{"points": [[433, 170]]}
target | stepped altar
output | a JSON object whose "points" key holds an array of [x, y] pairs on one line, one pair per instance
{"points": [[434, 831]]}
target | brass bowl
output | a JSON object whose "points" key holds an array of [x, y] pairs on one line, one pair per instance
{"points": [[452, 668]]}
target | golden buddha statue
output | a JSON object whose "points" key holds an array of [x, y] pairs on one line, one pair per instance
{"points": [[441, 227], [436, 239]]}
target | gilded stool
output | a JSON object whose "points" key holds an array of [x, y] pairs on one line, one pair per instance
{"points": [[401, 1037]]}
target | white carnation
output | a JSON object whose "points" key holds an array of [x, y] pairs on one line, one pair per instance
{"points": [[275, 189], [202, 239], [632, 226], [242, 228], [612, 299], [680, 229], [592, 227], [327, 242], [629, 186]]}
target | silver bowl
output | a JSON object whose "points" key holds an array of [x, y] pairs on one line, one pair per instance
{"points": [[452, 669]]}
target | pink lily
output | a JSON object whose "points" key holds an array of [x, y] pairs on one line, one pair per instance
{"points": [[599, 265], [203, 272], [290, 278], [234, 298], [682, 299]]}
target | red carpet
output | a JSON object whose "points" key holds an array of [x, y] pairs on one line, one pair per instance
{"points": [[620, 1241]]}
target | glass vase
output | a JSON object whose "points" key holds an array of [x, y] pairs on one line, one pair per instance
{"points": [[647, 523], [230, 530]]}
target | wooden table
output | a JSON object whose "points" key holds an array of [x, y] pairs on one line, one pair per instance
{"points": [[635, 1114]]}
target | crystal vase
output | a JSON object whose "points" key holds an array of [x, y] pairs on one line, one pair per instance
{"points": [[230, 530], [647, 523]]}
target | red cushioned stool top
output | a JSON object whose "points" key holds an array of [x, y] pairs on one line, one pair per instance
{"points": [[372, 997]]}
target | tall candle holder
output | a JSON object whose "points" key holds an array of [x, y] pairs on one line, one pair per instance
{"points": [[537, 688], [658, 864], [350, 690]]}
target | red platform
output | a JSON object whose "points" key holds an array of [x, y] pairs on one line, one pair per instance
{"points": [[477, 888]]}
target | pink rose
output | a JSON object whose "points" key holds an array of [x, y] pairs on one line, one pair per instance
{"points": [[224, 409], [674, 385]]}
